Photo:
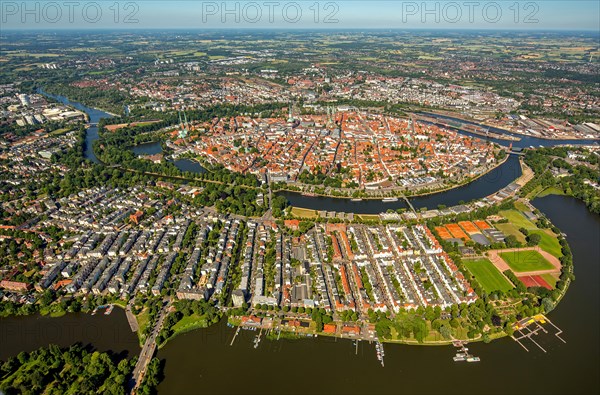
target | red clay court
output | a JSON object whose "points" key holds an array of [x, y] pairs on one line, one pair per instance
{"points": [[457, 232], [469, 227], [482, 225], [534, 281], [443, 232]]}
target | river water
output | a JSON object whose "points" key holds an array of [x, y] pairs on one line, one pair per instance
{"points": [[483, 186], [103, 332], [202, 361]]}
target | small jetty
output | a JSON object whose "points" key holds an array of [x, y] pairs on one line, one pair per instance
{"points": [[257, 339], [462, 354], [237, 331], [380, 352]]}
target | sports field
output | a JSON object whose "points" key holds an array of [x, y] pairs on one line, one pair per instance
{"points": [[526, 261], [469, 227], [482, 225], [518, 219], [443, 232], [535, 281], [549, 242], [487, 275], [457, 232]]}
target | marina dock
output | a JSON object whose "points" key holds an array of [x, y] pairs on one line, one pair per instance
{"points": [[523, 330]]}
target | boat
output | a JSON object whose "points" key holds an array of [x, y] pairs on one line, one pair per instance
{"points": [[458, 359], [109, 309], [473, 359], [356, 200], [389, 200]]}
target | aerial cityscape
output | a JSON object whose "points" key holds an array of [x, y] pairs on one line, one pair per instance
{"points": [[224, 207]]}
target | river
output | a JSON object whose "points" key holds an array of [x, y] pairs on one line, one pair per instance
{"points": [[203, 361], [104, 333], [94, 116], [487, 184], [91, 135], [481, 187]]}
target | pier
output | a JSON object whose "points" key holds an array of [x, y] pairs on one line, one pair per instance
{"points": [[133, 324], [235, 335], [525, 331]]}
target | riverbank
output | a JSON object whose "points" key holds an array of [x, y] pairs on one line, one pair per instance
{"points": [[395, 193]]}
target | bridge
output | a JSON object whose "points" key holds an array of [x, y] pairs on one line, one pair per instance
{"points": [[148, 349]]}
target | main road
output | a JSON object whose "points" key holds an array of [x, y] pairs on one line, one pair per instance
{"points": [[149, 348]]}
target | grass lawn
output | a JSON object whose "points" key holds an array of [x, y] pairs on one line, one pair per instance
{"points": [[549, 242], [550, 279], [368, 217], [518, 219], [488, 276], [521, 206], [142, 319], [120, 302], [187, 324], [304, 212], [60, 131], [550, 191], [526, 261], [510, 229], [535, 192]]}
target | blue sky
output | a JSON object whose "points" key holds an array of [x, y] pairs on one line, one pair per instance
{"points": [[466, 14]]}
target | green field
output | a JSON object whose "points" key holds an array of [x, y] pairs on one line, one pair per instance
{"points": [[550, 279], [368, 217], [521, 206], [518, 219], [526, 261], [488, 276], [304, 212], [510, 229], [549, 242], [551, 191]]}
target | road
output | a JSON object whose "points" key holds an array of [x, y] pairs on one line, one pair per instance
{"points": [[149, 348]]}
